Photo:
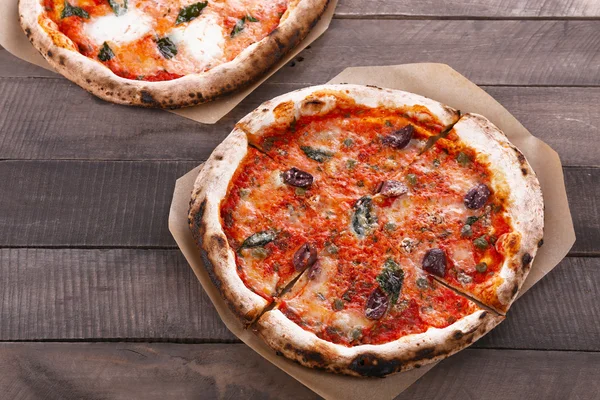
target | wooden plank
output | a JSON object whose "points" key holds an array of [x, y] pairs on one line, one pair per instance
{"points": [[211, 371], [141, 371], [152, 295], [126, 204], [468, 9], [33, 126], [507, 52]]}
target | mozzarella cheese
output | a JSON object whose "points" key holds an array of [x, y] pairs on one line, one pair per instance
{"points": [[131, 26], [203, 39]]}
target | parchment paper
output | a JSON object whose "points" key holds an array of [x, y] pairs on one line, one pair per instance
{"points": [[14, 40], [439, 82]]}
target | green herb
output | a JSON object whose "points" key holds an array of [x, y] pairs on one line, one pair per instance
{"points": [[338, 304], [350, 164], [481, 267], [241, 23], [316, 154], [412, 179], [360, 183], [300, 191], [69, 11], [390, 226], [463, 159], [422, 283], [320, 296], [388, 123], [436, 163], [105, 53], [348, 142], [356, 333], [166, 47], [293, 125], [250, 18], [332, 249], [472, 219], [118, 9], [466, 231], [390, 279], [363, 217], [244, 193], [258, 239], [481, 243], [260, 252], [186, 14]]}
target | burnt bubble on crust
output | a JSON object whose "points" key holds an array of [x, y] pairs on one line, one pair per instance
{"points": [[368, 364], [147, 98]]}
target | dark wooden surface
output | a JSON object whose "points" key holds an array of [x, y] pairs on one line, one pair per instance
{"points": [[97, 302]]}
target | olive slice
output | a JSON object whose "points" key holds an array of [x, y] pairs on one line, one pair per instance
{"points": [[434, 262], [377, 304], [477, 196], [399, 139], [392, 188], [297, 177], [304, 257]]}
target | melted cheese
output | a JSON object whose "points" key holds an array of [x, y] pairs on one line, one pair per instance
{"points": [[126, 28], [203, 40]]}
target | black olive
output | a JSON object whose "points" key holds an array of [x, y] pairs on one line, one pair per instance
{"points": [[314, 270], [392, 188], [399, 139], [434, 262], [477, 196], [304, 257], [296, 177], [377, 304]]}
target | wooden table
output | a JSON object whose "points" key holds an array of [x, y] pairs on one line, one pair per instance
{"points": [[97, 302]]}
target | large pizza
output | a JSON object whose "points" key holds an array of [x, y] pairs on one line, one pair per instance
{"points": [[366, 231], [165, 53]]}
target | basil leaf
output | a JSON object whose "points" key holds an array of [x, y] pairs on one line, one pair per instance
{"points": [[105, 53], [186, 14], [363, 217], [250, 18], [258, 239], [118, 9], [239, 26], [390, 279], [316, 154], [70, 11], [166, 47]]}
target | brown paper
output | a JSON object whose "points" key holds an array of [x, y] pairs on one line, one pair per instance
{"points": [[441, 83], [14, 40]]}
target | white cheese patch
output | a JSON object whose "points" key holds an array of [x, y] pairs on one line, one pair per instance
{"points": [[126, 28], [203, 39]]}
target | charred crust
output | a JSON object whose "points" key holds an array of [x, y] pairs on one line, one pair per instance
{"points": [[483, 315], [27, 32], [147, 98], [541, 243], [219, 241], [526, 259], [192, 95], [50, 53], [524, 171], [369, 364], [520, 156], [311, 356], [457, 335], [198, 216], [425, 353], [219, 157], [61, 60], [515, 289]]}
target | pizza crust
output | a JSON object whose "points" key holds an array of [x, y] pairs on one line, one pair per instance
{"points": [[192, 89], [205, 224], [319, 100], [512, 176], [408, 352]]}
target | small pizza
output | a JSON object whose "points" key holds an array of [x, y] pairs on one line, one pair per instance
{"points": [[366, 231], [165, 53]]}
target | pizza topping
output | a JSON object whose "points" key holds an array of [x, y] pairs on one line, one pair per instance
{"points": [[105, 53], [118, 8], [338, 304], [463, 159], [166, 47], [481, 243], [70, 11], [392, 188], [314, 271], [297, 177], [390, 279], [377, 304], [363, 217], [412, 179], [422, 283], [258, 239], [477, 196], [239, 25], [304, 257], [399, 139], [316, 154], [186, 14], [481, 267], [466, 231], [126, 28], [434, 262]]}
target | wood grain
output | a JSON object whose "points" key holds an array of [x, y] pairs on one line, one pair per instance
{"points": [[126, 203], [152, 295], [565, 118], [161, 370], [467, 9], [526, 52]]}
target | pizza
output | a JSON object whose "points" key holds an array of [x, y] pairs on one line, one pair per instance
{"points": [[366, 231], [165, 53]]}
